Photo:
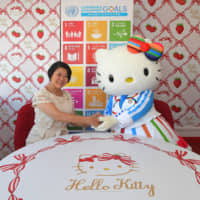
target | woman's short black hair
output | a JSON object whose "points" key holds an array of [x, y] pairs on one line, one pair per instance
{"points": [[59, 64]]}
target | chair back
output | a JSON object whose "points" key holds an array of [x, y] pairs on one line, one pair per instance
{"points": [[24, 122], [26, 114], [164, 109]]}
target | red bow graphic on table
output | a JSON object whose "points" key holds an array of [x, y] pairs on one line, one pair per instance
{"points": [[153, 51], [107, 156], [17, 167], [190, 163]]}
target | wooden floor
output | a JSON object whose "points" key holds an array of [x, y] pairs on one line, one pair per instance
{"points": [[194, 142]]}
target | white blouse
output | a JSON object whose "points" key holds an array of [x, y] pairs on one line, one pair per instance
{"points": [[45, 126]]}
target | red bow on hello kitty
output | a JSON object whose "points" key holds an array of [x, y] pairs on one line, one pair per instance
{"points": [[107, 156], [152, 51]]}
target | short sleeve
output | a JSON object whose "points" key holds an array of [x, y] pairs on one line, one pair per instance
{"points": [[41, 97]]}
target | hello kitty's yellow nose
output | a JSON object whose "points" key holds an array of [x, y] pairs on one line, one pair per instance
{"points": [[129, 79], [106, 169]]}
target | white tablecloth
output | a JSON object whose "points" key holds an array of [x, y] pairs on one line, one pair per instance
{"points": [[98, 166]]}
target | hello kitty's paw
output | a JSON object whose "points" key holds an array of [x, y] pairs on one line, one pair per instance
{"points": [[107, 123]]}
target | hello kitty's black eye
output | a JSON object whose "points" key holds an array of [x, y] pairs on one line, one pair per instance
{"points": [[111, 78], [146, 72]]}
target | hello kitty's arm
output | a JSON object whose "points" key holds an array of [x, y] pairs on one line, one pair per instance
{"points": [[141, 108]]}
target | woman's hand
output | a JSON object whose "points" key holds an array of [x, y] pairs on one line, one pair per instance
{"points": [[107, 122], [94, 120]]}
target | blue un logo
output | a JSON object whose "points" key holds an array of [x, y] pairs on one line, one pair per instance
{"points": [[72, 11]]}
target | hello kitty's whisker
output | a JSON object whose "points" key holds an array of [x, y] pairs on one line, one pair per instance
{"points": [[103, 88], [99, 74], [98, 81]]}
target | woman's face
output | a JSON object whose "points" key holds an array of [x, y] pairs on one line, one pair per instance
{"points": [[59, 78]]}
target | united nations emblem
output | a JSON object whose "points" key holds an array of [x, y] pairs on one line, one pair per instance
{"points": [[71, 11]]}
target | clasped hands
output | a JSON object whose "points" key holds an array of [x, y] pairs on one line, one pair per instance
{"points": [[103, 123]]}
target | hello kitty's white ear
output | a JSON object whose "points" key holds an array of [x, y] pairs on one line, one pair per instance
{"points": [[100, 53]]}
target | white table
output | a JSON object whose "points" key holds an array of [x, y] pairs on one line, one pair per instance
{"points": [[98, 166]]}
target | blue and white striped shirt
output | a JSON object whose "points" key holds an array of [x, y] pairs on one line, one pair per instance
{"points": [[129, 109]]}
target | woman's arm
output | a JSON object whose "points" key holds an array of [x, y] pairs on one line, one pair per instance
{"points": [[51, 110]]}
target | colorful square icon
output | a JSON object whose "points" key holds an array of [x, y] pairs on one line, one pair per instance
{"points": [[92, 112], [95, 99], [77, 97], [73, 31], [91, 77], [73, 53], [91, 50], [96, 30], [114, 45], [76, 77], [120, 30]]}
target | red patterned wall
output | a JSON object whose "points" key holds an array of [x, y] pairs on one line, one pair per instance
{"points": [[30, 42], [176, 24]]}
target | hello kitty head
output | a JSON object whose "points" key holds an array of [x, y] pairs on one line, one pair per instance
{"points": [[105, 165], [126, 70]]}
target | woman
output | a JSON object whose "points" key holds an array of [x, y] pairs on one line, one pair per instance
{"points": [[54, 108]]}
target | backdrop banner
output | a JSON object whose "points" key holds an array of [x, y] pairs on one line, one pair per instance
{"points": [[85, 27]]}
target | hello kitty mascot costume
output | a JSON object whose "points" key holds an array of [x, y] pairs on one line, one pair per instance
{"points": [[129, 74]]}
